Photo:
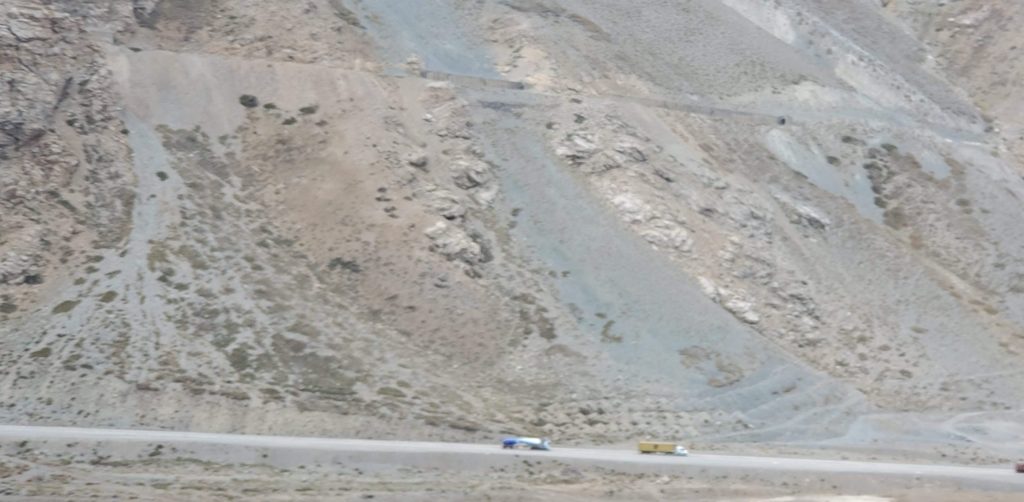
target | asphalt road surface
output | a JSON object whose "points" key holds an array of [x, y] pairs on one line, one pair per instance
{"points": [[1002, 476]]}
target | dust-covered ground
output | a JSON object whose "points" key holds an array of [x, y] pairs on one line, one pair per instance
{"points": [[746, 225], [536, 481]]}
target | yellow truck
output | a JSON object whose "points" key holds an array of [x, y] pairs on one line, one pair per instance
{"points": [[658, 447]]}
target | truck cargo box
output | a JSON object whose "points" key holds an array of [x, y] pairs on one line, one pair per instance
{"points": [[660, 447]]}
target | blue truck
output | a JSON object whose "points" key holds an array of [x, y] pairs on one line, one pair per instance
{"points": [[512, 443]]}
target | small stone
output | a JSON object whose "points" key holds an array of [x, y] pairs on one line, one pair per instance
{"points": [[418, 160]]}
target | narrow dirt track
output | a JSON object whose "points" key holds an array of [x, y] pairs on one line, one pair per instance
{"points": [[1003, 478]]}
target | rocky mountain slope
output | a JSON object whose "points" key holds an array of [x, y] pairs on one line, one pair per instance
{"points": [[736, 220]]}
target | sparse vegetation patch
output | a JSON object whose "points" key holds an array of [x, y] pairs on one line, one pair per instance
{"points": [[248, 101], [65, 306], [41, 353]]}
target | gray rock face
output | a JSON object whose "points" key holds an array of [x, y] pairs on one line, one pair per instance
{"points": [[453, 243], [65, 180], [469, 175]]}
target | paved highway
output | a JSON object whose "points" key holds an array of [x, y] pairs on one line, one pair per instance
{"points": [[1003, 476]]}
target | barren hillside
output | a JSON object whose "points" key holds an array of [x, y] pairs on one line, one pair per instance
{"points": [[731, 221]]}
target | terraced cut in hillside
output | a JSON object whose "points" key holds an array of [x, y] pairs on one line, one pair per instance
{"points": [[782, 225]]}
